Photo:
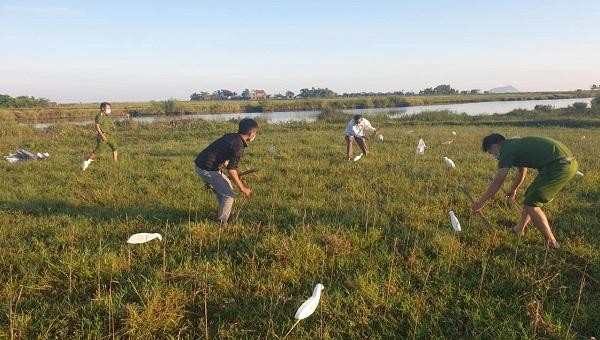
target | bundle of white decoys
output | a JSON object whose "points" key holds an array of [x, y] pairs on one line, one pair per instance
{"points": [[454, 221], [357, 158], [449, 163], [308, 307], [24, 155], [380, 138], [143, 238], [421, 147]]}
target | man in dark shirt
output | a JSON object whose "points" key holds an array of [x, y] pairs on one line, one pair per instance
{"points": [[556, 167], [226, 151]]}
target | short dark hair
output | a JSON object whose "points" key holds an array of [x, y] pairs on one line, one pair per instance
{"points": [[357, 117], [103, 105], [488, 141], [246, 125]]}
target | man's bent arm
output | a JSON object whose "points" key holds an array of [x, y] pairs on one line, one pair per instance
{"points": [[233, 174], [519, 178], [100, 133], [494, 185]]}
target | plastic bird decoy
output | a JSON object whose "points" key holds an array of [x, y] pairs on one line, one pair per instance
{"points": [[381, 138], [143, 238], [454, 221], [308, 307], [449, 163], [421, 147], [357, 158]]}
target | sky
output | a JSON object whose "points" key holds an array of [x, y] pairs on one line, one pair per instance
{"points": [[90, 51]]}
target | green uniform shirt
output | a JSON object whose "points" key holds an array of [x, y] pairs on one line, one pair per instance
{"points": [[531, 152], [106, 124]]}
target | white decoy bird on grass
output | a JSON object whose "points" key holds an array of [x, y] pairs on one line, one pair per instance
{"points": [[454, 221], [143, 238], [449, 163], [579, 174], [381, 138], [448, 142], [421, 147], [454, 133], [357, 158], [308, 307]]}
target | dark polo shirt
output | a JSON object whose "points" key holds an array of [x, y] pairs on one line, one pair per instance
{"points": [[230, 148]]}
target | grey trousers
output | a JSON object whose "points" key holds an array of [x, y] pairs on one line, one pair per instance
{"points": [[221, 185]]}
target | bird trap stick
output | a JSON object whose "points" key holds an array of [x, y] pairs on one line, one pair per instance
{"points": [[247, 172]]}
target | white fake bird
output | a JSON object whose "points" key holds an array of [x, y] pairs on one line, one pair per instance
{"points": [[454, 133], [448, 142], [143, 238], [579, 174], [421, 147], [381, 138], [449, 163], [357, 158], [308, 307], [454, 221]]}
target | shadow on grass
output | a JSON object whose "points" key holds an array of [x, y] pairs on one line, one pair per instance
{"points": [[49, 207]]}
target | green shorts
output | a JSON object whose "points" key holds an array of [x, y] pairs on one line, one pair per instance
{"points": [[112, 144], [549, 181]]}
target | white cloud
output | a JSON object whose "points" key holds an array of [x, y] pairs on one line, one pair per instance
{"points": [[43, 10]]}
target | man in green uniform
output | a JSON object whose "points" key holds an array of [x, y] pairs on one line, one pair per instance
{"points": [[105, 134], [556, 167]]}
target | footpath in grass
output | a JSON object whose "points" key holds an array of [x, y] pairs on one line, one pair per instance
{"points": [[375, 233]]}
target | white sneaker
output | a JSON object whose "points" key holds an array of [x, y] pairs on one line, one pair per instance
{"points": [[86, 164]]}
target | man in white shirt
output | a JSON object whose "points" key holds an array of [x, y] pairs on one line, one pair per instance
{"points": [[355, 131]]}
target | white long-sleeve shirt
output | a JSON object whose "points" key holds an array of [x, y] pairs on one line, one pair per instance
{"points": [[358, 130]]}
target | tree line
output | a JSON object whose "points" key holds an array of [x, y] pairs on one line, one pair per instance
{"points": [[23, 101], [316, 92]]}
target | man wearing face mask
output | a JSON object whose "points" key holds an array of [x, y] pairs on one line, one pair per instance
{"points": [[226, 151], [105, 134], [556, 167]]}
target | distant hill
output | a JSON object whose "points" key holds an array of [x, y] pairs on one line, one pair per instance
{"points": [[504, 89]]}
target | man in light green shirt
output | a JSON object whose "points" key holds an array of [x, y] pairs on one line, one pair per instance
{"points": [[556, 167], [104, 134]]}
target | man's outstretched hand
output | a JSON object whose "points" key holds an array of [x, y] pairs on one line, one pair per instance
{"points": [[246, 191], [511, 195], [477, 206]]}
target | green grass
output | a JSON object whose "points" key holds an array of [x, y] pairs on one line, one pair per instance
{"points": [[376, 233], [89, 110]]}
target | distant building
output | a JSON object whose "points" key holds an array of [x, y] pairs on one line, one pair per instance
{"points": [[258, 94]]}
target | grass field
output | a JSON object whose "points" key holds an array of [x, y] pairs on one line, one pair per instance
{"points": [[89, 110], [376, 233]]}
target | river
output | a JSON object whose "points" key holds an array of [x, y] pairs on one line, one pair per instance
{"points": [[480, 108]]}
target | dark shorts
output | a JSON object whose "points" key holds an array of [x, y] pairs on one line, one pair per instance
{"points": [[112, 144], [549, 181]]}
